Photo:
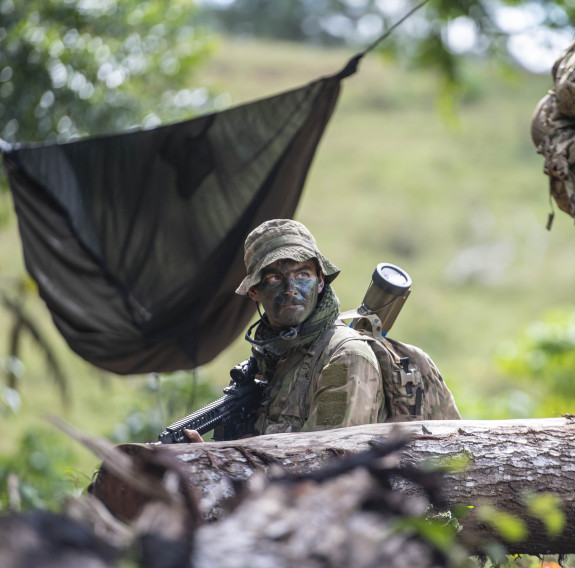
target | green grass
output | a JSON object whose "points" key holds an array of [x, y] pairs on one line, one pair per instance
{"points": [[393, 181]]}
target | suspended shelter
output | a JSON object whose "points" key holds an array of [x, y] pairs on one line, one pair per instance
{"points": [[136, 239]]}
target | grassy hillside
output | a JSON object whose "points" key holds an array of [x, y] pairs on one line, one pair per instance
{"points": [[460, 203]]}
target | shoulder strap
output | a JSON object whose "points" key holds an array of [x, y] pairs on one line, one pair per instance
{"points": [[334, 338], [322, 350], [308, 366], [401, 381], [412, 385]]}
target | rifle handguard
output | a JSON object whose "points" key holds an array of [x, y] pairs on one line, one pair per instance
{"points": [[235, 411]]}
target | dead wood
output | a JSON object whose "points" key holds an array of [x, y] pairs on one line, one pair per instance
{"points": [[505, 462]]}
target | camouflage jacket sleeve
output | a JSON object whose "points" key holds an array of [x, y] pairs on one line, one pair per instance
{"points": [[348, 391]]}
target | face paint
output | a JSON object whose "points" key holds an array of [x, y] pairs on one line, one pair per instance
{"points": [[288, 292]]}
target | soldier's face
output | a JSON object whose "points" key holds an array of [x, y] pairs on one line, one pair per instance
{"points": [[288, 292]]}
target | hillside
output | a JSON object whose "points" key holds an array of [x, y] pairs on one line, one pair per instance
{"points": [[458, 201]]}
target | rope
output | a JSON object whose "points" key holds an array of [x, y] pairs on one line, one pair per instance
{"points": [[398, 23], [351, 66]]}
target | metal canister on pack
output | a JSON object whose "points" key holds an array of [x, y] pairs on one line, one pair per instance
{"points": [[387, 292]]}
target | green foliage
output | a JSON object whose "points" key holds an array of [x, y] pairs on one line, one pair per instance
{"points": [[436, 531], [548, 508], [439, 530], [545, 507], [461, 512], [426, 41], [40, 470], [542, 362], [72, 67], [510, 527], [41, 465], [163, 400], [24, 325], [452, 463]]}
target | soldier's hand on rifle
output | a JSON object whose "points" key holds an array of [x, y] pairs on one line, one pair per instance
{"points": [[193, 436]]}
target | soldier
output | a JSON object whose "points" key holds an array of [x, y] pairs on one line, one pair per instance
{"points": [[320, 373]]}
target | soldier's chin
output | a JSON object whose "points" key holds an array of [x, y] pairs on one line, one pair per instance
{"points": [[291, 316]]}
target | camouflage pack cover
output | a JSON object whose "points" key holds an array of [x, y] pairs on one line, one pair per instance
{"points": [[412, 384], [413, 387], [553, 132]]}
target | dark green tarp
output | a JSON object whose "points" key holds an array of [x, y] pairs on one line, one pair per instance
{"points": [[136, 239]]}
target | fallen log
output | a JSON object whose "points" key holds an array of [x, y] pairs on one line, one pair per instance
{"points": [[505, 462], [345, 514]]}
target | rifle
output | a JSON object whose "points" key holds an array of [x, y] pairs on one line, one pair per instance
{"points": [[232, 415]]}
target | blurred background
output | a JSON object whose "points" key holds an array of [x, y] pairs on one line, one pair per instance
{"points": [[427, 163]]}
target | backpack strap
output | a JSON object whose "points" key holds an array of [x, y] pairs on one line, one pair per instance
{"points": [[308, 363], [334, 338], [402, 380]]}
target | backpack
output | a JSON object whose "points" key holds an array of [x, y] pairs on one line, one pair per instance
{"points": [[412, 384], [553, 133]]}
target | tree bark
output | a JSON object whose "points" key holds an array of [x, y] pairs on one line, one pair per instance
{"points": [[505, 461]]}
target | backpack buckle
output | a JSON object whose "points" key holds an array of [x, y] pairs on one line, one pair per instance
{"points": [[408, 375]]}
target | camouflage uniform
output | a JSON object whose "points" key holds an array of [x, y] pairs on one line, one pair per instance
{"points": [[326, 375], [337, 387]]}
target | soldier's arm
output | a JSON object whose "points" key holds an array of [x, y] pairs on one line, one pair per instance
{"points": [[348, 392]]}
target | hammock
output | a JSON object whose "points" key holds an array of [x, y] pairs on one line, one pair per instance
{"points": [[136, 240]]}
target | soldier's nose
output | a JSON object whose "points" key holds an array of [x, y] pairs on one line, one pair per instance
{"points": [[290, 289]]}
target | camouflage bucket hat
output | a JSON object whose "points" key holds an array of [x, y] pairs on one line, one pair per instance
{"points": [[277, 239]]}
